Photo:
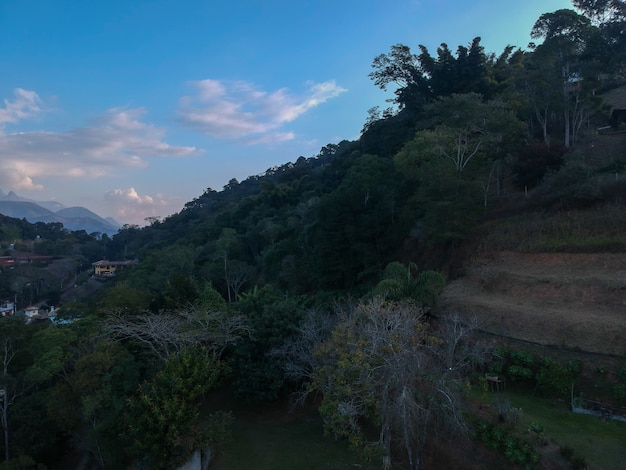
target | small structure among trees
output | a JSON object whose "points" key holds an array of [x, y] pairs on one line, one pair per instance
{"points": [[616, 102], [106, 268]]}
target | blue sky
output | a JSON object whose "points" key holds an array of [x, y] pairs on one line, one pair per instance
{"points": [[132, 108]]}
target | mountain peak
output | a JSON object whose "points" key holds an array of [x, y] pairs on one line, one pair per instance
{"points": [[72, 218]]}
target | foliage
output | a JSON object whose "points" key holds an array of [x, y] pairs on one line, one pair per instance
{"points": [[358, 225], [541, 374], [382, 369], [572, 186], [122, 297], [399, 283], [422, 175], [273, 321], [420, 78], [514, 449], [23, 462], [14, 360], [452, 163], [162, 421]]}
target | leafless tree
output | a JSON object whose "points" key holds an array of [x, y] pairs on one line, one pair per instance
{"points": [[167, 333], [297, 354], [237, 274], [387, 354]]}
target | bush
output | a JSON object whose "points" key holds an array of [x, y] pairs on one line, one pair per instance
{"points": [[514, 449], [554, 379], [574, 185]]}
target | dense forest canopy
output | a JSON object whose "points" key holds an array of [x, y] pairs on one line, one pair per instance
{"points": [[267, 285]]}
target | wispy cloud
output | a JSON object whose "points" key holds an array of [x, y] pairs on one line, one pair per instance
{"points": [[240, 110], [117, 139], [25, 104]]}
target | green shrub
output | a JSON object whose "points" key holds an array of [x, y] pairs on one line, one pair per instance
{"points": [[513, 448], [574, 185], [554, 379]]}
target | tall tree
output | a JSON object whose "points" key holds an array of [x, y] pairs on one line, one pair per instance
{"points": [[13, 349], [565, 34], [226, 246], [607, 45], [420, 78]]}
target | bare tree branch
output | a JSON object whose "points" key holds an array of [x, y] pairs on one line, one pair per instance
{"points": [[164, 334]]}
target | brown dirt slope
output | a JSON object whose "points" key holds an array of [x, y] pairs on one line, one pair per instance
{"points": [[575, 301]]}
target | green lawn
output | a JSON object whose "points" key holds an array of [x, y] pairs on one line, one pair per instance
{"points": [[602, 443], [273, 439], [276, 441]]}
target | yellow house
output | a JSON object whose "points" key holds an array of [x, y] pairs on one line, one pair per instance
{"points": [[106, 268]]}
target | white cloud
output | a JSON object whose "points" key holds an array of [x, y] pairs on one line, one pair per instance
{"points": [[17, 179], [235, 110], [26, 104], [117, 139], [130, 207]]}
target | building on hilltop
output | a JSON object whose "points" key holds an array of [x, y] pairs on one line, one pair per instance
{"points": [[106, 268]]}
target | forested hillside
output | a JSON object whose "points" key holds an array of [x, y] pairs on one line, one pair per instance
{"points": [[318, 281]]}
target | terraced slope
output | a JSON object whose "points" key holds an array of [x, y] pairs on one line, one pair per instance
{"points": [[577, 301]]}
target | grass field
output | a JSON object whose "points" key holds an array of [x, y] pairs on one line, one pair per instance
{"points": [[273, 439], [601, 443]]}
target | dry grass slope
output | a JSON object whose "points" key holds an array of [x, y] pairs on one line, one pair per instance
{"points": [[576, 301]]}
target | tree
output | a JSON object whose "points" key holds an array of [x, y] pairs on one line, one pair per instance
{"points": [[167, 333], [468, 128], [162, 417], [122, 297], [399, 283], [452, 163], [357, 223], [402, 68], [13, 341], [273, 319], [384, 368], [102, 379], [225, 245], [238, 273], [297, 353], [602, 11], [210, 300], [565, 33], [541, 85], [420, 78]]}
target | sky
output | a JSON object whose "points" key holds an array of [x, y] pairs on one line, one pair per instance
{"points": [[131, 108]]}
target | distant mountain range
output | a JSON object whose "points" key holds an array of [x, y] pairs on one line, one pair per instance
{"points": [[72, 218]]}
